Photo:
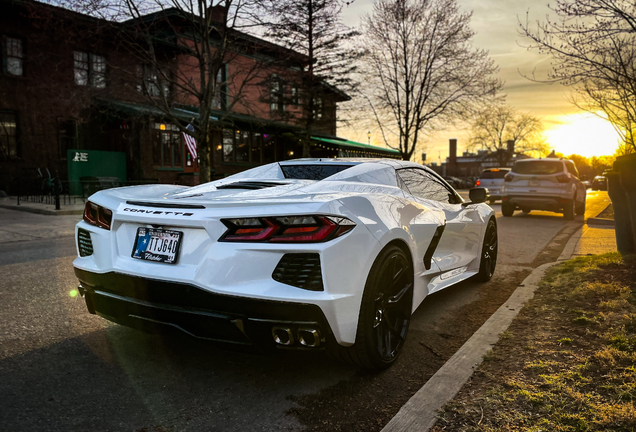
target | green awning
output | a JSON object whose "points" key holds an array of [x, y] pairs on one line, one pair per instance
{"points": [[356, 145]]}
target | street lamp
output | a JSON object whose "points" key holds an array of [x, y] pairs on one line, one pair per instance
{"points": [[369, 137]]}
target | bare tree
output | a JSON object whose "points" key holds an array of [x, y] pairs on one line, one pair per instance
{"points": [[593, 44], [497, 125], [423, 69], [184, 48], [314, 29]]}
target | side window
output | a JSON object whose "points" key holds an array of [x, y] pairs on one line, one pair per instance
{"points": [[425, 185], [572, 169]]}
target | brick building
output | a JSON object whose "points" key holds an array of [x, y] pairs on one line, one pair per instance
{"points": [[75, 101]]}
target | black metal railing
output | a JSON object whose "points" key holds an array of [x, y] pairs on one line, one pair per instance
{"points": [[59, 193]]}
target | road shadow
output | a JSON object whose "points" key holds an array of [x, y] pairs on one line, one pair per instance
{"points": [[121, 379]]}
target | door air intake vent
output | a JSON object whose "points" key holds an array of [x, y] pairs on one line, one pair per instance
{"points": [[301, 270], [84, 243]]}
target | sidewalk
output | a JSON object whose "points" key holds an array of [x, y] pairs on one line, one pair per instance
{"points": [[595, 240], [41, 208]]}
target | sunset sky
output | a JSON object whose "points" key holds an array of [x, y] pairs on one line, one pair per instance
{"points": [[568, 130]]}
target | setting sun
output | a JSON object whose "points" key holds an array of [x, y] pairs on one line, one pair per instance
{"points": [[583, 134]]}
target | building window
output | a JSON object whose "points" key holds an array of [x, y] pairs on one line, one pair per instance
{"points": [[317, 108], [220, 94], [14, 56], [89, 69], [67, 136], [228, 145], [247, 147], [276, 95], [8, 135], [294, 91], [98, 69], [150, 83], [167, 146]]}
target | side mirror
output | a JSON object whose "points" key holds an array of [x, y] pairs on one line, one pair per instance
{"points": [[477, 195]]}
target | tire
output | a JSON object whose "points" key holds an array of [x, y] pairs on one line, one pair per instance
{"points": [[491, 201], [580, 208], [380, 336], [569, 210], [507, 209], [489, 250], [526, 211]]}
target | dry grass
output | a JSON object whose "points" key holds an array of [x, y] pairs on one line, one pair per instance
{"points": [[567, 363]]}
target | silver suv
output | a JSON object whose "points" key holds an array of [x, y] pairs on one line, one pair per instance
{"points": [[493, 180], [543, 184]]}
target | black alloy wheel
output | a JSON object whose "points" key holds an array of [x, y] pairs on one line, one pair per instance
{"points": [[393, 303], [489, 253], [385, 312]]}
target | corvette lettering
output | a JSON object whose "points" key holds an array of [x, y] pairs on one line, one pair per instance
{"points": [[157, 212]]}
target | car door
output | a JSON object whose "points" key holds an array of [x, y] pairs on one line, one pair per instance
{"points": [[460, 244]]}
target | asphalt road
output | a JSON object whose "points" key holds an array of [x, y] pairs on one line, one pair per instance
{"points": [[62, 369]]}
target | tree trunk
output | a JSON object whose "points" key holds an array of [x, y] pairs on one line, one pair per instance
{"points": [[205, 159]]}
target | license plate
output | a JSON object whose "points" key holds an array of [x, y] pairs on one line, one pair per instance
{"points": [[157, 245]]}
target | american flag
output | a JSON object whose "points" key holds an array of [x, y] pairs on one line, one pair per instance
{"points": [[190, 142]]}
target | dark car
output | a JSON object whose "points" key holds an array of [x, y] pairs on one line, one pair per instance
{"points": [[599, 183]]}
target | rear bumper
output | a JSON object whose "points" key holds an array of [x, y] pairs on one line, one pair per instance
{"points": [[536, 202], [169, 307]]}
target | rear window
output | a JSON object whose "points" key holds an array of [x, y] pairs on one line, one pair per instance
{"points": [[541, 167], [494, 174], [312, 172]]}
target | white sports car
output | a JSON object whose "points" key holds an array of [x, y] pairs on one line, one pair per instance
{"points": [[308, 254]]}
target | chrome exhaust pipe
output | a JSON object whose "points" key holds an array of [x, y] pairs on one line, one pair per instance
{"points": [[283, 336], [309, 337]]}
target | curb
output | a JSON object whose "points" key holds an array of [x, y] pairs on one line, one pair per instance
{"points": [[42, 211], [420, 412], [600, 221]]}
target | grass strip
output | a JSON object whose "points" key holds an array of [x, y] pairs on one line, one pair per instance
{"points": [[566, 363]]}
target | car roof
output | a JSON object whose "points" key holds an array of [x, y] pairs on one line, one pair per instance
{"points": [[543, 160], [344, 161]]}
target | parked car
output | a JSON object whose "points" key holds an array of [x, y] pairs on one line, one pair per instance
{"points": [[298, 254], [587, 183], [493, 180], [544, 184], [599, 183]]}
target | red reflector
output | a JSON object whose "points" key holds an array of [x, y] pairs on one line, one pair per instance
{"points": [[248, 230], [478, 183], [299, 230], [97, 215], [318, 234], [262, 233]]}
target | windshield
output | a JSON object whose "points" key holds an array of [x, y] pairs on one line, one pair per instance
{"points": [[312, 172], [538, 167], [494, 174]]}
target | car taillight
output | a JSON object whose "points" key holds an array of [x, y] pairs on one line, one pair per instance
{"points": [[508, 177], [477, 183], [286, 229], [97, 215], [563, 178]]}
